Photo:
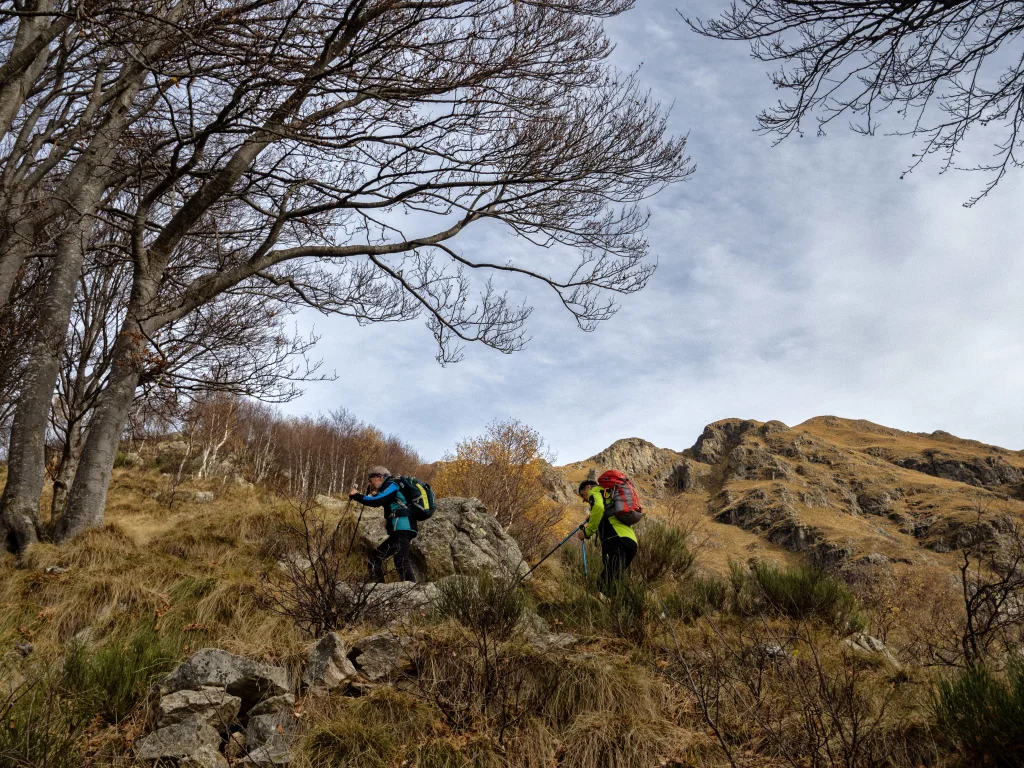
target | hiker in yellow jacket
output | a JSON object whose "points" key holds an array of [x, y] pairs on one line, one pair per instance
{"points": [[618, 542]]}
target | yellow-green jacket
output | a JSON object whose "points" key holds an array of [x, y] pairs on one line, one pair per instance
{"points": [[612, 526]]}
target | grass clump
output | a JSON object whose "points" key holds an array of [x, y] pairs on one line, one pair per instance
{"points": [[801, 593], [697, 596], [983, 715], [489, 607], [664, 552], [110, 681]]}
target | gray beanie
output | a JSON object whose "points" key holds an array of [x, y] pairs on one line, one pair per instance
{"points": [[379, 471]]}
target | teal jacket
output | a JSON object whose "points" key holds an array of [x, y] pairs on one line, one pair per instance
{"points": [[396, 510]]}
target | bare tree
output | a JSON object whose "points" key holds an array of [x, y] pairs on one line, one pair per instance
{"points": [[271, 150], [943, 68]]}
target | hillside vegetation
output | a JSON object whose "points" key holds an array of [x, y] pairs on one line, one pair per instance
{"points": [[801, 599]]}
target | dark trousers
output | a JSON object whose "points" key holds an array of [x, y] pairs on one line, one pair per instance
{"points": [[616, 555], [397, 546]]}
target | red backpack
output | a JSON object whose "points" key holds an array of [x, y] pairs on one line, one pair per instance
{"points": [[622, 496]]}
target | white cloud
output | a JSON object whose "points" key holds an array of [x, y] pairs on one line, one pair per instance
{"points": [[794, 281]]}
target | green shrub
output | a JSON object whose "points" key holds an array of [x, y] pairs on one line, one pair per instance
{"points": [[805, 592], [490, 607], [40, 728], [982, 715], [628, 611], [111, 680], [663, 551], [697, 596]]}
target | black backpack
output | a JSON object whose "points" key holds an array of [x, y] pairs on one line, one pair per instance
{"points": [[419, 498]]}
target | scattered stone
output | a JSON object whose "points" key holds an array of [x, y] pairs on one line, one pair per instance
{"points": [[864, 644], [327, 665], [189, 744], [269, 736], [25, 649], [554, 641], [203, 497], [772, 652], [380, 656], [214, 706], [55, 570], [269, 756], [251, 681]]}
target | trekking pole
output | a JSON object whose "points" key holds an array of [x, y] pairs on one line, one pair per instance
{"points": [[359, 519], [549, 554], [583, 547]]}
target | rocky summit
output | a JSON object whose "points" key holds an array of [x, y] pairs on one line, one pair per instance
{"points": [[837, 491]]}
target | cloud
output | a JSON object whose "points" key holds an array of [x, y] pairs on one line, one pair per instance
{"points": [[794, 281]]}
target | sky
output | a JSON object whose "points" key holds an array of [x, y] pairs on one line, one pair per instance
{"points": [[797, 280]]}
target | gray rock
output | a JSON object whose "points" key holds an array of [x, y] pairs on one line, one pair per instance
{"points": [[283, 703], [189, 744], [720, 438], [269, 755], [214, 706], [203, 497], [327, 664], [385, 603], [251, 681], [461, 538], [380, 656], [269, 737], [235, 748], [55, 570]]}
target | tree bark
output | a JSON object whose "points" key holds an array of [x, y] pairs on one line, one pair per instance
{"points": [[26, 459], [88, 496], [66, 469]]}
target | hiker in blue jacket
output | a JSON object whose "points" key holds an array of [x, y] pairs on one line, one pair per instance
{"points": [[401, 526]]}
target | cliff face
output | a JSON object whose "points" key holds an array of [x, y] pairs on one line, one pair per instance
{"points": [[836, 491]]}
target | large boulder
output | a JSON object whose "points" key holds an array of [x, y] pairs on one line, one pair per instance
{"points": [[384, 603], [192, 743], [461, 538], [249, 680]]}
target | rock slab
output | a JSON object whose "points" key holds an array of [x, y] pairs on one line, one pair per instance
{"points": [[192, 743], [327, 665], [249, 680], [214, 706]]}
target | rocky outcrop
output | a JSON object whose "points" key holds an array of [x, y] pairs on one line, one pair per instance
{"points": [[559, 489], [461, 538], [719, 438], [634, 457], [987, 472], [685, 476], [385, 603]]}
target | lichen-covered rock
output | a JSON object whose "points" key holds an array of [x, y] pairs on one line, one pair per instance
{"points": [[385, 603], [270, 732], [215, 706], [461, 538], [203, 497], [380, 656], [329, 502], [251, 681], [192, 743], [864, 644], [327, 665]]}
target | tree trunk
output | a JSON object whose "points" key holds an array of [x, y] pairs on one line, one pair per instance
{"points": [[26, 458], [66, 470], [87, 498]]}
